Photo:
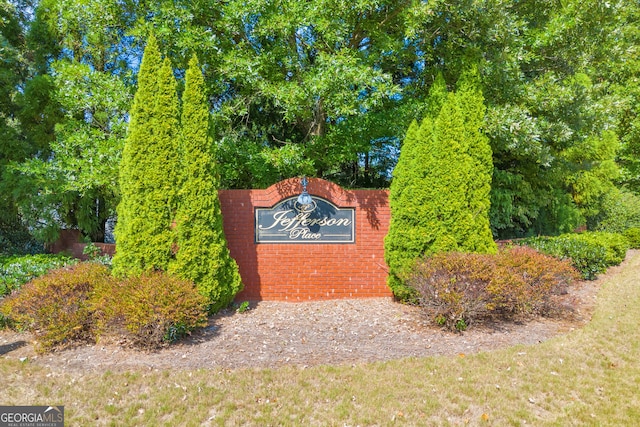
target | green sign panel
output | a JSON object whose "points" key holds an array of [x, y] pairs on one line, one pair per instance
{"points": [[318, 222]]}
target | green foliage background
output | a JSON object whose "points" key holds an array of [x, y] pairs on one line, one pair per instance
{"points": [[324, 89]]}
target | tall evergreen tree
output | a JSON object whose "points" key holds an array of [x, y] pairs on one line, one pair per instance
{"points": [[437, 96], [471, 101], [148, 169], [409, 233], [446, 182], [408, 229], [402, 171], [445, 200], [203, 256]]}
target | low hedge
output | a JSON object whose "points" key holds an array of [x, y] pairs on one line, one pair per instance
{"points": [[458, 289], [590, 252], [633, 237], [150, 310], [56, 307], [616, 245], [84, 302]]}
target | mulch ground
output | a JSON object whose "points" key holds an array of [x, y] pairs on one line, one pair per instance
{"points": [[273, 334]]}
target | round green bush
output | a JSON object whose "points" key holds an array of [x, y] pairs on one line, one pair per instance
{"points": [[590, 252], [616, 245], [586, 255], [633, 237]]}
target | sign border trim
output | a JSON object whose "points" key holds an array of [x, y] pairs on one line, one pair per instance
{"points": [[296, 242]]}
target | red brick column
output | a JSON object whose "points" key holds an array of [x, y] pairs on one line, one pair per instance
{"points": [[310, 271]]}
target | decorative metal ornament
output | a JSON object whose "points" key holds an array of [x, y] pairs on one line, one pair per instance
{"points": [[305, 202]]}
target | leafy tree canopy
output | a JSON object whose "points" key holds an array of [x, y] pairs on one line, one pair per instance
{"points": [[328, 88]]}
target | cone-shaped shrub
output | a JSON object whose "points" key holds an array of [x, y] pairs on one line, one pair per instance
{"points": [[203, 256], [402, 171], [437, 96], [440, 201], [471, 103], [148, 168], [443, 186]]}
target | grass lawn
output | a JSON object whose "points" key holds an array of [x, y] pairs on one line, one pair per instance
{"points": [[589, 376]]}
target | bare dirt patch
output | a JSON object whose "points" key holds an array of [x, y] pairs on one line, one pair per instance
{"points": [[273, 334]]}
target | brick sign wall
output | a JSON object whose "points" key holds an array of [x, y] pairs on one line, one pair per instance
{"points": [[300, 271]]}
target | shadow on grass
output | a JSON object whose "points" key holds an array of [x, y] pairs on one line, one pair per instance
{"points": [[7, 348]]}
